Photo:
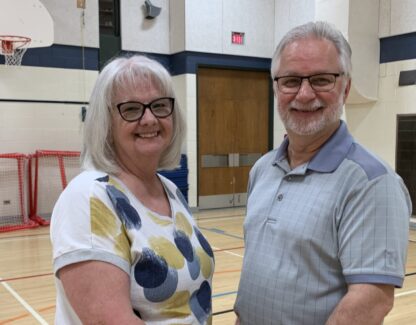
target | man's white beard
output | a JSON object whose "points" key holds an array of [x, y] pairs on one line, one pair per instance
{"points": [[312, 126]]}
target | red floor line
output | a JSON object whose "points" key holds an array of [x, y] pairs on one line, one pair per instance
{"points": [[25, 277]]}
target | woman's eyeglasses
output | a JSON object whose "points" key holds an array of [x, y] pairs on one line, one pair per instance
{"points": [[133, 111]]}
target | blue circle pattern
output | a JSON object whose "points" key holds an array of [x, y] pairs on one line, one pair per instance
{"points": [[159, 281], [204, 243], [165, 290], [194, 267], [150, 270], [200, 302], [124, 210], [184, 245]]}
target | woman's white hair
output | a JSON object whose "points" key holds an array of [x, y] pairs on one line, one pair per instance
{"points": [[319, 30], [98, 145]]}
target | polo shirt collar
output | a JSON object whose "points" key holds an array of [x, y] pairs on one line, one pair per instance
{"points": [[282, 151], [330, 156]]}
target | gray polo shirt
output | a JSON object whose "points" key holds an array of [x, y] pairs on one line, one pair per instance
{"points": [[342, 218]]}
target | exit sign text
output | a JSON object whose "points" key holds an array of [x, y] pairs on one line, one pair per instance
{"points": [[237, 38]]}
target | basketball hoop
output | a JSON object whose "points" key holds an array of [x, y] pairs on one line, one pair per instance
{"points": [[13, 48]]}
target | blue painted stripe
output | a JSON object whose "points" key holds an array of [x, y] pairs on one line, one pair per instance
{"points": [[189, 62], [61, 56], [393, 48], [224, 294], [75, 57], [397, 48]]}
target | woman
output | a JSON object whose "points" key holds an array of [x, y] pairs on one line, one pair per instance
{"points": [[125, 247]]}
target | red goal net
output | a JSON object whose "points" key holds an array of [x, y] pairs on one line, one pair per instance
{"points": [[50, 173], [14, 193]]}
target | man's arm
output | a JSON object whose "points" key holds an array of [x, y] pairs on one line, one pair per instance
{"points": [[364, 304]]}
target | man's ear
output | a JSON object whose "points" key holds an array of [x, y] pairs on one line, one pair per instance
{"points": [[347, 90]]}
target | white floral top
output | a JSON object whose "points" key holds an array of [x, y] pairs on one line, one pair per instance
{"points": [[169, 261]]}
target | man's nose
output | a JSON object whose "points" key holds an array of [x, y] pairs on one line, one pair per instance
{"points": [[306, 91]]}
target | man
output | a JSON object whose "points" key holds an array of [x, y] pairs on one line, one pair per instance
{"points": [[327, 222]]}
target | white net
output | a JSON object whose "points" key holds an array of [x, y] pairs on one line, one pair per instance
{"points": [[55, 170], [13, 192], [15, 58], [13, 48]]}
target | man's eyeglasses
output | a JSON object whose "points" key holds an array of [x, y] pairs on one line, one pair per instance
{"points": [[319, 82], [133, 111]]}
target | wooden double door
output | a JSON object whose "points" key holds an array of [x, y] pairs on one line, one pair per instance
{"points": [[234, 109]]}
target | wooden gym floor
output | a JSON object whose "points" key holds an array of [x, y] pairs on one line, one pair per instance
{"points": [[27, 293]]}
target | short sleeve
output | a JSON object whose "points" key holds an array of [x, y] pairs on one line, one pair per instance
{"points": [[84, 226], [373, 232]]}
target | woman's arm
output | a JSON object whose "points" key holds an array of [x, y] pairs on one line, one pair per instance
{"points": [[99, 293]]}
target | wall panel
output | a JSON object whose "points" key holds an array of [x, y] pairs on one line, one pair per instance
{"points": [[74, 26], [144, 35]]}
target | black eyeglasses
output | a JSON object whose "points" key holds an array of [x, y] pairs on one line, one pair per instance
{"points": [[133, 111], [319, 82]]}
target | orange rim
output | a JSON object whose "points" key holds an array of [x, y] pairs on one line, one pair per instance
{"points": [[9, 43]]}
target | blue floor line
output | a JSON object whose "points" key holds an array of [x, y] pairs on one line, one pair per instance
{"points": [[224, 294]]}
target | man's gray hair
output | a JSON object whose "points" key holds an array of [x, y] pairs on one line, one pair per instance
{"points": [[319, 30], [98, 145]]}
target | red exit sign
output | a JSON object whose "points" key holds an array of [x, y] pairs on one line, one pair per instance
{"points": [[237, 38]]}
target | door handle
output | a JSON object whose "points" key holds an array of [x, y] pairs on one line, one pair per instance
{"points": [[214, 161], [233, 160], [229, 160]]}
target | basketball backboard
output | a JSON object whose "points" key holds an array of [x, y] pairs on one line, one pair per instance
{"points": [[27, 18]]}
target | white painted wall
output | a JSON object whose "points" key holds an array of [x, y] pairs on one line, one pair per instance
{"points": [[363, 30], [177, 26], [204, 22], [74, 26], [374, 125], [141, 34], [289, 14], [185, 89], [255, 19], [397, 17], [26, 127], [200, 26]]}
